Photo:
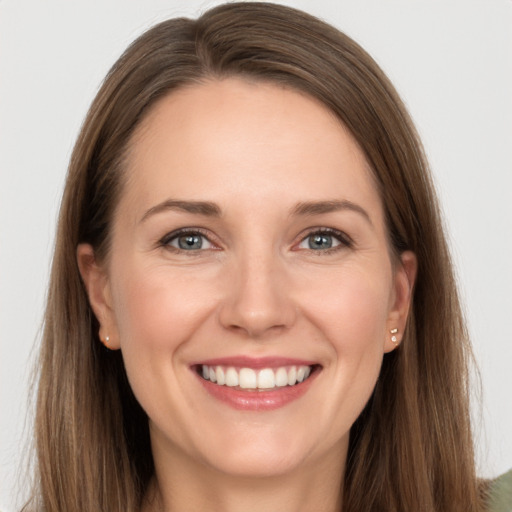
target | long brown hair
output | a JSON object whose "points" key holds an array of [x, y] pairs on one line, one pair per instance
{"points": [[411, 448]]}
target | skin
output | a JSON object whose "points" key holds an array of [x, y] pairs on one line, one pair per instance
{"points": [[255, 288]]}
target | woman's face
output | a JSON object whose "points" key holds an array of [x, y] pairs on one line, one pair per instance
{"points": [[249, 248]]}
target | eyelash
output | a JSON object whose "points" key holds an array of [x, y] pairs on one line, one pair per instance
{"points": [[344, 240], [167, 239]]}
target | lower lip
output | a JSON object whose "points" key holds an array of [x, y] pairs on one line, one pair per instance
{"points": [[258, 400]]}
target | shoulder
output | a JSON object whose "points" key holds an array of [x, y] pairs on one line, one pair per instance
{"points": [[500, 494]]}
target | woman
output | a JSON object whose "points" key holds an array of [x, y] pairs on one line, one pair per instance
{"points": [[252, 305]]}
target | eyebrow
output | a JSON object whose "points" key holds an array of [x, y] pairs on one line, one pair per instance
{"points": [[196, 207], [321, 207], [209, 209]]}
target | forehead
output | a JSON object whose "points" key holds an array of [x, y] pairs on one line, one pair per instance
{"points": [[229, 138]]}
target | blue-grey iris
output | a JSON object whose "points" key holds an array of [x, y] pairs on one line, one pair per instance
{"points": [[188, 242], [320, 242]]}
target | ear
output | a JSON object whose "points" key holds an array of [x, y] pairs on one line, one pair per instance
{"points": [[404, 279], [97, 284]]}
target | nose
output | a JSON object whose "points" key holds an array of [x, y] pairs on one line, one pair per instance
{"points": [[258, 300]]}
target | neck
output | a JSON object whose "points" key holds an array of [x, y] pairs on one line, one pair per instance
{"points": [[185, 485]]}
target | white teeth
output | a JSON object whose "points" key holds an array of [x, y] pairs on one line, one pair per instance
{"points": [[266, 379], [248, 378], [231, 377], [281, 377], [221, 376], [292, 376]]}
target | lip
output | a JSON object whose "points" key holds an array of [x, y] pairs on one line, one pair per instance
{"points": [[257, 400]]}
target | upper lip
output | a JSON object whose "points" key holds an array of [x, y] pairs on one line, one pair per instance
{"points": [[256, 362]]}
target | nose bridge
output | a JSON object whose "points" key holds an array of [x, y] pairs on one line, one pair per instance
{"points": [[257, 300]]}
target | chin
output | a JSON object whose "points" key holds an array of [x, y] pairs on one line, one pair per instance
{"points": [[257, 465], [259, 455]]}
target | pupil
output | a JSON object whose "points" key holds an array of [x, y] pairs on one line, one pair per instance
{"points": [[190, 242], [320, 242]]}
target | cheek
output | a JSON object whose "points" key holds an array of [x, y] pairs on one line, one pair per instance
{"points": [[157, 309], [352, 309], [353, 320]]}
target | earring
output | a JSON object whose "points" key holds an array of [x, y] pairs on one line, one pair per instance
{"points": [[105, 341], [394, 339]]}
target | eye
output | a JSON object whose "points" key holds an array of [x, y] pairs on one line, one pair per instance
{"points": [[324, 240], [189, 241]]}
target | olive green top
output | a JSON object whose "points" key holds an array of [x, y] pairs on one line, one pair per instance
{"points": [[500, 494]]}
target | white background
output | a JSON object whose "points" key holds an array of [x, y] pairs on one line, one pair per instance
{"points": [[450, 59]]}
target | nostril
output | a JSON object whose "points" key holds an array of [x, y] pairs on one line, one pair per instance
{"points": [[257, 331], [257, 323]]}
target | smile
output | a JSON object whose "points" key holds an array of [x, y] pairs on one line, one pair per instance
{"points": [[256, 380], [256, 384]]}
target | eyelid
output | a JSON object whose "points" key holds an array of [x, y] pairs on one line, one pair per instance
{"points": [[166, 239], [344, 239]]}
